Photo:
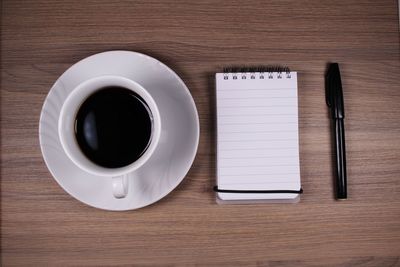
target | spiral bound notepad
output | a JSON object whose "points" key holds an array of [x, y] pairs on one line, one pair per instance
{"points": [[257, 136]]}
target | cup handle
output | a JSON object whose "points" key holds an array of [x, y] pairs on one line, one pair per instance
{"points": [[120, 186]]}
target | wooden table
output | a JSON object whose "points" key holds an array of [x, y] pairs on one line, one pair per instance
{"points": [[42, 225]]}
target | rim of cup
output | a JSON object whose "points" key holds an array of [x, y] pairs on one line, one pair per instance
{"points": [[70, 107]]}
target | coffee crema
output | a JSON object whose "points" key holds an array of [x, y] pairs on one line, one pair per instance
{"points": [[113, 127]]}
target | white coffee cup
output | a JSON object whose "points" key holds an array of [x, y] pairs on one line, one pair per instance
{"points": [[66, 130]]}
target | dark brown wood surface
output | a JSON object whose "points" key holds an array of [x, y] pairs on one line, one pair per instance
{"points": [[42, 225]]}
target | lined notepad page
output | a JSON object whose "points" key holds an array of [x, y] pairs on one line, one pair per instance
{"points": [[257, 134]]}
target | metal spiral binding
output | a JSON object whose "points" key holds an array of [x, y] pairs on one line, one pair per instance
{"points": [[263, 72]]}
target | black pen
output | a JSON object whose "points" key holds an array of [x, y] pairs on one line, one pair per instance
{"points": [[334, 100]]}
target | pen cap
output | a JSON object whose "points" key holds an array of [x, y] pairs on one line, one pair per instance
{"points": [[334, 92]]}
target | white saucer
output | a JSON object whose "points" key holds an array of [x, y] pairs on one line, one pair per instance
{"points": [[165, 169]]}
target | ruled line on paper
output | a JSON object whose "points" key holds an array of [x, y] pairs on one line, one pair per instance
{"points": [[271, 182], [246, 99], [230, 167], [256, 110], [256, 97], [254, 123], [277, 139], [259, 157], [269, 131], [236, 163], [253, 95], [259, 106], [264, 114], [256, 148], [281, 175], [258, 89], [260, 175], [256, 119], [255, 103], [245, 136], [256, 153], [253, 143]]}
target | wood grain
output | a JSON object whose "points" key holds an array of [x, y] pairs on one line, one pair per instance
{"points": [[43, 225]]}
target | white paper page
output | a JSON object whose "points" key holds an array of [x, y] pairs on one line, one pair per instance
{"points": [[257, 135]]}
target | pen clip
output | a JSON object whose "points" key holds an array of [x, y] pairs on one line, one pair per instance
{"points": [[327, 91]]}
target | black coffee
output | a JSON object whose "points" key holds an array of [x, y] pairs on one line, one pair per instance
{"points": [[113, 127]]}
